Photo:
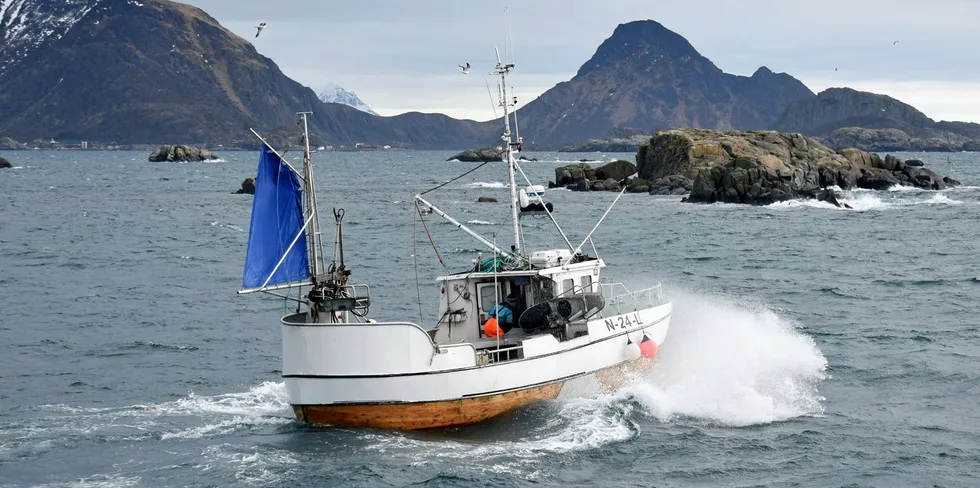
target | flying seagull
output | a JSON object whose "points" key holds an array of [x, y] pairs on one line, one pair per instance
{"points": [[465, 68], [896, 42], [258, 28]]}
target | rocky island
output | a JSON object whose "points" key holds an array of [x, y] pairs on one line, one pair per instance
{"points": [[762, 167], [481, 155], [753, 167], [248, 187], [5, 164], [181, 154]]}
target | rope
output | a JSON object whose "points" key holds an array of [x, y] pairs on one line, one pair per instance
{"points": [[489, 94], [456, 178], [431, 241], [415, 259]]}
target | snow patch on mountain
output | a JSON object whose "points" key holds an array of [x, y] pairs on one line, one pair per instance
{"points": [[26, 25], [332, 93]]}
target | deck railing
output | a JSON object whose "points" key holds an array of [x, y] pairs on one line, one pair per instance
{"points": [[619, 298]]}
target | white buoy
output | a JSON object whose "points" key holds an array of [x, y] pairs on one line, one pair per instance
{"points": [[632, 351]]}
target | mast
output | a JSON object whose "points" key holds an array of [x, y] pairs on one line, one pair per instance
{"points": [[313, 237], [502, 70]]}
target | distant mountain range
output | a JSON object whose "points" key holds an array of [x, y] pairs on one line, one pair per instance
{"points": [[332, 93], [646, 77], [157, 71]]}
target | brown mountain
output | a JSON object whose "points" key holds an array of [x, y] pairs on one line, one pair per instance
{"points": [[646, 77], [835, 108], [158, 71], [851, 118]]}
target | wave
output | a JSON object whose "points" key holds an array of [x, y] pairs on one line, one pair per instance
{"points": [[190, 417], [962, 188], [206, 161], [939, 198], [480, 222], [905, 189], [97, 481], [864, 201], [487, 184], [156, 346]]}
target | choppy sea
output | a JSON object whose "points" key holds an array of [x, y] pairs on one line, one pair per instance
{"points": [[810, 346]]}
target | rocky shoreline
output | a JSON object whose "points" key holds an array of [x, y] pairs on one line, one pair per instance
{"points": [[753, 167]]}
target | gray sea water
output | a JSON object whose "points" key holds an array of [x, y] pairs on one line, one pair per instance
{"points": [[810, 346]]}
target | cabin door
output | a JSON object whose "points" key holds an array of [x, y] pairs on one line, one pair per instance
{"points": [[489, 295]]}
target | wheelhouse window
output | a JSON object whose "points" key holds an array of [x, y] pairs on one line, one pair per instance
{"points": [[567, 285], [587, 283], [488, 298]]}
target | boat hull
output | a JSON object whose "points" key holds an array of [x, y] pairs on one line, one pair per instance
{"points": [[390, 375], [425, 415]]}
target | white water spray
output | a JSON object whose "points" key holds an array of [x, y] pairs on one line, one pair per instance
{"points": [[732, 364]]}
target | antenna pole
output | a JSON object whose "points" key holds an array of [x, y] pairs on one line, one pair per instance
{"points": [[313, 237], [503, 70]]}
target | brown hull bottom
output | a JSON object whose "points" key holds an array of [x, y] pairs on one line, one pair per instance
{"points": [[424, 415], [626, 374]]}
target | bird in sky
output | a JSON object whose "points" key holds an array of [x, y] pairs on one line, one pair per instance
{"points": [[258, 28], [465, 68], [896, 42]]}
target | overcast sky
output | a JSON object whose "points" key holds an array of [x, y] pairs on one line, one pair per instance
{"points": [[401, 56]]}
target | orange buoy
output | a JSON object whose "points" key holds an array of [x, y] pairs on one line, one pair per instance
{"points": [[491, 329], [648, 348]]}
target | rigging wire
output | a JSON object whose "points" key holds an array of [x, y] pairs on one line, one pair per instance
{"points": [[550, 216], [508, 38], [456, 178], [490, 94], [429, 234], [415, 259]]}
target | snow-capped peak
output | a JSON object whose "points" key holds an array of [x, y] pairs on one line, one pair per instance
{"points": [[27, 24], [332, 93]]}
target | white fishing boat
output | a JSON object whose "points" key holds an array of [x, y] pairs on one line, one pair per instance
{"points": [[343, 368]]}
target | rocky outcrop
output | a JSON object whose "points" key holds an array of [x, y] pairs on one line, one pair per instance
{"points": [[5, 164], [583, 177], [617, 170], [573, 174], [481, 155], [762, 167], [672, 185], [248, 187], [180, 153]]}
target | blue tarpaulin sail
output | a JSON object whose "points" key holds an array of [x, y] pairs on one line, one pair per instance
{"points": [[277, 218]]}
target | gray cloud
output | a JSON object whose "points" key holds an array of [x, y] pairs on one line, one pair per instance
{"points": [[401, 56]]}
